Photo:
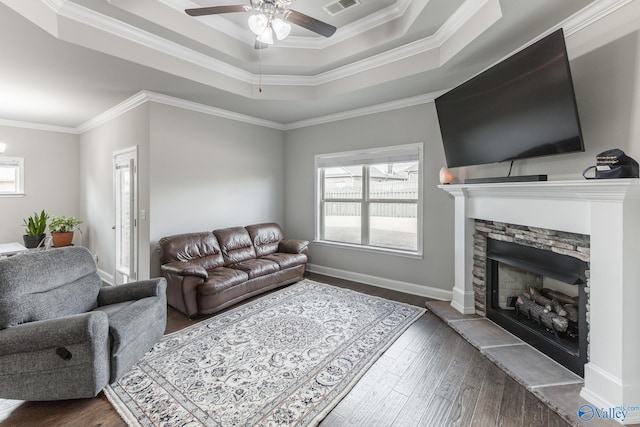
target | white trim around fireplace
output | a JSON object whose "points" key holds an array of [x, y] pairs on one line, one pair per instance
{"points": [[606, 210]]}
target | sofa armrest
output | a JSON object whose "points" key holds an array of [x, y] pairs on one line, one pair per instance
{"points": [[292, 246], [62, 331], [132, 291], [185, 269]]}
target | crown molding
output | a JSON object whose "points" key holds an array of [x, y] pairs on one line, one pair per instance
{"points": [[462, 15], [70, 10], [149, 96], [114, 27], [113, 112], [381, 17], [91, 18], [580, 20], [571, 25], [145, 96], [590, 14], [212, 111], [365, 111], [37, 126]]}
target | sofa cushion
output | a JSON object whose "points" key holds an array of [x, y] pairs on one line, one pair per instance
{"points": [[64, 282], [222, 278], [256, 267], [265, 237], [287, 260], [236, 244], [199, 248]]}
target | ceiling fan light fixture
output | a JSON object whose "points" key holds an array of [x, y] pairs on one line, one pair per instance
{"points": [[281, 28], [258, 24], [266, 36]]}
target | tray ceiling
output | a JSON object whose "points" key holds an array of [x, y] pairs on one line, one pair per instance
{"points": [[96, 53]]}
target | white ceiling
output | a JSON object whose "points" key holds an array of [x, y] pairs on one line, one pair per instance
{"points": [[64, 62]]}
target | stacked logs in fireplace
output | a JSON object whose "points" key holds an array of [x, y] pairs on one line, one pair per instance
{"points": [[554, 310]]}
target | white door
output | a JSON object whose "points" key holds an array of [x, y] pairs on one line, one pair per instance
{"points": [[125, 183]]}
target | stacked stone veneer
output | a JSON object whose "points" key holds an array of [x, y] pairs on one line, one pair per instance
{"points": [[561, 242]]}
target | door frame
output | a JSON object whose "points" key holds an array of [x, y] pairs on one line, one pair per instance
{"points": [[134, 252]]}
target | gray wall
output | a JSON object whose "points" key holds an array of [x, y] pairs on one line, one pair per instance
{"points": [[404, 126], [51, 162], [209, 172], [96, 185], [606, 73]]}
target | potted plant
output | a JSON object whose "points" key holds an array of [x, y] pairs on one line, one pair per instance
{"points": [[34, 227], [62, 228]]}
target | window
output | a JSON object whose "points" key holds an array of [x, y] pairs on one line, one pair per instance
{"points": [[11, 176], [371, 199]]}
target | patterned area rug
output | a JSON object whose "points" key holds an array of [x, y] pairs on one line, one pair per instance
{"points": [[285, 359]]}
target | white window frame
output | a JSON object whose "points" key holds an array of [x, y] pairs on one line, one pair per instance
{"points": [[17, 162], [395, 153]]}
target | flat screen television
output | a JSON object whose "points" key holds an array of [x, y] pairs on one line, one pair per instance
{"points": [[522, 107]]}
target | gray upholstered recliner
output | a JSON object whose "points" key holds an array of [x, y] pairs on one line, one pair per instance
{"points": [[65, 336]]}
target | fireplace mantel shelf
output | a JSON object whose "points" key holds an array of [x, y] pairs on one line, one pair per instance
{"points": [[605, 210], [603, 189]]}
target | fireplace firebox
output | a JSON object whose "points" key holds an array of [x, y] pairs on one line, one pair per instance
{"points": [[539, 296]]}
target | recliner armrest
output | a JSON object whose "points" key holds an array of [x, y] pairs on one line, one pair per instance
{"points": [[132, 291], [185, 269], [292, 246], [58, 332]]}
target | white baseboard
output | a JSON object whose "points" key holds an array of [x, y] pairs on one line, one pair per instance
{"points": [[396, 285], [106, 277]]}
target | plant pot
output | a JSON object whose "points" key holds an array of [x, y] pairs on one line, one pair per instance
{"points": [[31, 242], [62, 239]]}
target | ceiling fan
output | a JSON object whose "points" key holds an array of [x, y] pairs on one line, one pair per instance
{"points": [[270, 17]]}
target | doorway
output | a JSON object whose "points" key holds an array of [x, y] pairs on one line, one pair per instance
{"points": [[125, 183]]}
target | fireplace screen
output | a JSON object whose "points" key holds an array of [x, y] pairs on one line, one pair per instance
{"points": [[539, 296]]}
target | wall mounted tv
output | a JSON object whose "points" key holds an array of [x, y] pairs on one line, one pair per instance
{"points": [[522, 107]]}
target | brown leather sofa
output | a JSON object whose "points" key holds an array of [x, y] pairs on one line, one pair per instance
{"points": [[209, 271]]}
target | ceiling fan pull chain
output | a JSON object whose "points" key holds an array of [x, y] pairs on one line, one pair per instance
{"points": [[260, 71]]}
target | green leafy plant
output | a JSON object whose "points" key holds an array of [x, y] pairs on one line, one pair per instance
{"points": [[63, 224], [35, 224]]}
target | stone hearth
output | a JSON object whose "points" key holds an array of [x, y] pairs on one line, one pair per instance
{"points": [[605, 210]]}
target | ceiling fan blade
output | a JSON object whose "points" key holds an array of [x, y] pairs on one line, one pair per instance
{"points": [[215, 10], [259, 45], [309, 23]]}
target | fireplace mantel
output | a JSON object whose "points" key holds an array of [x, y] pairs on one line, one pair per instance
{"points": [[609, 212]]}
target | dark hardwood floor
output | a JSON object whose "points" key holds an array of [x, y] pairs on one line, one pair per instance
{"points": [[430, 376]]}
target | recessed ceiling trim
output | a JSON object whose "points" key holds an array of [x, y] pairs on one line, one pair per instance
{"points": [[212, 111], [165, 49], [217, 23], [113, 112], [574, 23], [365, 24], [144, 96], [461, 16], [381, 17], [85, 16], [133, 34], [365, 111], [38, 126], [587, 16], [148, 96], [464, 13]]}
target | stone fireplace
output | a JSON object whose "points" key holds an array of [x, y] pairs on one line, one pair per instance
{"points": [[533, 283], [602, 216]]}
